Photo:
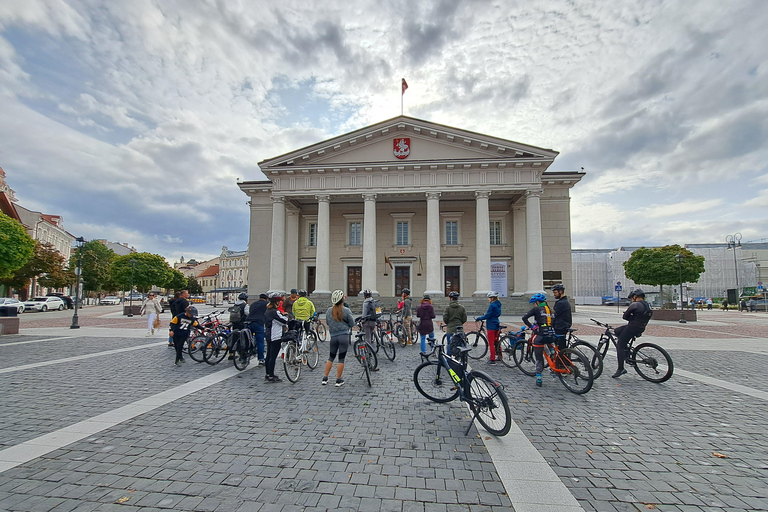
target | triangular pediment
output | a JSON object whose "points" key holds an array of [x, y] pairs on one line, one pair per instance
{"points": [[429, 143]]}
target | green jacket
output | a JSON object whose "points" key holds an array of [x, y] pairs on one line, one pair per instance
{"points": [[303, 309], [454, 316]]}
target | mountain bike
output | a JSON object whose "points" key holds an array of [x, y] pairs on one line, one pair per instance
{"points": [[571, 366], [215, 347], [507, 342], [318, 327], [365, 356], [588, 349], [375, 342], [299, 348], [385, 339], [450, 377], [399, 329], [649, 360], [241, 343], [208, 326]]}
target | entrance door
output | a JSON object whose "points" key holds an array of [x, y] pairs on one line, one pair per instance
{"points": [[354, 281], [310, 279], [451, 280], [402, 279]]}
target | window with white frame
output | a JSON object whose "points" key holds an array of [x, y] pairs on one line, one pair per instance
{"points": [[401, 238], [497, 227], [451, 232], [312, 234], [495, 232], [355, 233], [402, 231]]}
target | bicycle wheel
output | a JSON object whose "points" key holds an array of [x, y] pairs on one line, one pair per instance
{"points": [[322, 331], [215, 350], [653, 362], [243, 352], [414, 331], [364, 357], [592, 355], [371, 358], [388, 345], [402, 339], [195, 347], [522, 353], [602, 345], [506, 350], [432, 381], [292, 362], [374, 344], [579, 377], [313, 354], [479, 344], [489, 403]]}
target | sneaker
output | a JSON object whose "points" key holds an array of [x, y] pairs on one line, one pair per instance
{"points": [[261, 362], [170, 345], [148, 334], [490, 361], [619, 373], [339, 383], [538, 381], [177, 363], [275, 378], [182, 360], [325, 381], [267, 378]]}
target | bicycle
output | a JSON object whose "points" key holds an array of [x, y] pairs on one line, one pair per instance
{"points": [[318, 327], [374, 344], [571, 366], [216, 345], [478, 341], [449, 377], [365, 356], [385, 339], [399, 330], [650, 361], [297, 353], [241, 343], [207, 326], [588, 349], [507, 342]]}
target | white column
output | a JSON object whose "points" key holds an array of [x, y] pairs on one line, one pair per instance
{"points": [[520, 270], [292, 249], [534, 250], [434, 279], [482, 245], [323, 254], [369, 244], [277, 255]]}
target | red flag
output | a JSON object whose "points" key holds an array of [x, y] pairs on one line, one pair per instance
{"points": [[405, 86], [387, 262]]}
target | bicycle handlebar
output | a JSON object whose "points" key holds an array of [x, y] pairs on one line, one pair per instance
{"points": [[601, 324]]}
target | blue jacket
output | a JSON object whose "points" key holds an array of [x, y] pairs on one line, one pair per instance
{"points": [[492, 316]]}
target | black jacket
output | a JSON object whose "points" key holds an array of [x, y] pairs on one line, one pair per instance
{"points": [[178, 306], [256, 312], [540, 316], [638, 314], [563, 319]]}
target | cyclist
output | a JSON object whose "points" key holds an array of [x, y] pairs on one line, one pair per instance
{"points": [[637, 316], [563, 319], [179, 331], [288, 302], [241, 304], [544, 317], [492, 324], [303, 309], [369, 315], [455, 315], [255, 321], [426, 312], [406, 310], [340, 324], [275, 320]]}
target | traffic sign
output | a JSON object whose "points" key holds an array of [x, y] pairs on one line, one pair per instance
{"points": [[618, 288]]}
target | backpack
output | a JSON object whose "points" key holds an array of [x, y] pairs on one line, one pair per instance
{"points": [[373, 310], [235, 314]]}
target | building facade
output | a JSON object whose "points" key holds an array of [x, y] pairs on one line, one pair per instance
{"points": [[407, 203], [233, 268]]}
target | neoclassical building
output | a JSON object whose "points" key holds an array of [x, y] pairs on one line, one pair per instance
{"points": [[407, 203]]}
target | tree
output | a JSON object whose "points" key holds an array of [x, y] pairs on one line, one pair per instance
{"points": [[47, 264], [657, 266], [194, 287], [177, 281], [96, 261], [149, 270], [16, 246]]}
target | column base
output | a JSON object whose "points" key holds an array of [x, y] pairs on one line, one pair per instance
{"points": [[435, 293], [517, 294], [320, 294]]}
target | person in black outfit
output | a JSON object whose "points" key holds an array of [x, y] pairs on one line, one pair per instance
{"points": [[563, 319], [637, 315], [255, 321], [544, 317], [179, 331], [174, 312], [275, 320]]}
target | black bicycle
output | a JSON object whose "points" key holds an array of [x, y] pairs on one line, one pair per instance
{"points": [[450, 377], [649, 360], [365, 356], [589, 350]]}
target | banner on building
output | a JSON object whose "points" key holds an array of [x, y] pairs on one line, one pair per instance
{"points": [[499, 277]]}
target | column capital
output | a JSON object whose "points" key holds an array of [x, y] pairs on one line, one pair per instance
{"points": [[278, 199], [369, 197], [480, 194], [533, 193], [433, 195], [324, 198]]}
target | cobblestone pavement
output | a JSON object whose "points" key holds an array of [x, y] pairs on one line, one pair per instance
{"points": [[242, 444]]}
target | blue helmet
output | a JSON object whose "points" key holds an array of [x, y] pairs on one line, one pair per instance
{"points": [[538, 297]]}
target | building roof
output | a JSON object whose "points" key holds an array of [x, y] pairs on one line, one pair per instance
{"points": [[210, 271]]}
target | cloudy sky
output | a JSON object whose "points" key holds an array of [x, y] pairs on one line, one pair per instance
{"points": [[135, 119]]}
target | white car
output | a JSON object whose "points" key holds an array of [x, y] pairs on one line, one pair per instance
{"points": [[44, 304], [110, 300], [4, 301]]}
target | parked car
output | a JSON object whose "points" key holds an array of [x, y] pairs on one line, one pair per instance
{"points": [[68, 301], [44, 304], [109, 300], [5, 301], [611, 301], [135, 297]]}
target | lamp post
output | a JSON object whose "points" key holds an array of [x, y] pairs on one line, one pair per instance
{"points": [[78, 271], [734, 241], [215, 280], [130, 293], [680, 258]]}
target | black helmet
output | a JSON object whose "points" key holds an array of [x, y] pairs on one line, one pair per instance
{"points": [[302, 293], [454, 295], [192, 310], [293, 291], [243, 296], [406, 291], [426, 297], [558, 287], [367, 293], [637, 293]]}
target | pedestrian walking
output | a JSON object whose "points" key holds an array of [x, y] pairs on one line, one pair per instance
{"points": [[180, 327], [425, 313], [340, 323], [152, 308]]}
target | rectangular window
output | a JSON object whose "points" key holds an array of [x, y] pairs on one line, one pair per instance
{"points": [[402, 233], [495, 232], [312, 239], [451, 233], [355, 233]]}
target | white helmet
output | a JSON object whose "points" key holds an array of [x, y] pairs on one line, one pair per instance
{"points": [[337, 296], [493, 294]]}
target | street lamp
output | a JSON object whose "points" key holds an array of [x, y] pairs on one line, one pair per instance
{"points": [[215, 280], [78, 277], [130, 296], [734, 241], [680, 258]]}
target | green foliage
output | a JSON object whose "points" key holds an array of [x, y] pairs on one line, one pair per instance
{"points": [[96, 261], [149, 270], [46, 264], [177, 281], [194, 287], [658, 266], [16, 246]]}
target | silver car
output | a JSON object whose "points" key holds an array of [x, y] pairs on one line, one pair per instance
{"points": [[44, 304], [5, 301]]}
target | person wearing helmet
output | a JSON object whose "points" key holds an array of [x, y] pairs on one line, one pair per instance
{"points": [[255, 321], [454, 316], [369, 315], [179, 331], [426, 312], [237, 313], [637, 316], [491, 317], [303, 309], [407, 312], [275, 321], [288, 302], [563, 319], [340, 323], [543, 318]]}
